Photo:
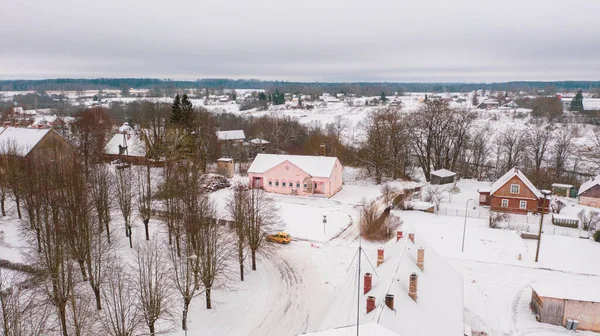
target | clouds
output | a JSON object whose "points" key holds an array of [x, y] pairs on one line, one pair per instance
{"points": [[326, 40]]}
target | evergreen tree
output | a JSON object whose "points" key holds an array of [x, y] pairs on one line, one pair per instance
{"points": [[577, 102], [187, 112], [176, 110], [383, 98], [474, 100]]}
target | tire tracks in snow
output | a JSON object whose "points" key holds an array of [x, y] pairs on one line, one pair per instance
{"points": [[289, 313]]}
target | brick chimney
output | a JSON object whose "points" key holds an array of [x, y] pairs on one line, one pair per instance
{"points": [[370, 304], [323, 150], [412, 286], [379, 256], [368, 283], [389, 301], [411, 236], [399, 235], [421, 257]]}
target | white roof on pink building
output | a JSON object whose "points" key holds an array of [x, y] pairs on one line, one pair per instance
{"points": [[315, 166]]}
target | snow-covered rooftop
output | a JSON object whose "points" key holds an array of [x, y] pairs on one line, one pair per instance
{"points": [[560, 185], [20, 140], [135, 146], [589, 184], [231, 135], [43, 120], [315, 166], [443, 173], [258, 141], [438, 309], [367, 329], [509, 175], [572, 290]]}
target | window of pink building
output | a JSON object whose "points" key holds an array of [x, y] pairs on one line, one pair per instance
{"points": [[277, 183], [291, 184], [283, 184], [270, 183], [297, 184]]}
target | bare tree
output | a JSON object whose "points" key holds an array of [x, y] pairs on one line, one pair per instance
{"points": [[145, 197], [237, 208], [435, 195], [478, 152], [121, 316], [99, 259], [336, 131], [375, 147], [3, 189], [589, 220], [100, 187], [262, 218], [212, 249], [152, 283], [124, 198], [185, 265], [512, 148], [91, 131], [562, 150], [388, 193], [538, 140], [22, 311]]}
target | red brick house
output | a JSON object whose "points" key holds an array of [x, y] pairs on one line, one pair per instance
{"points": [[513, 193]]}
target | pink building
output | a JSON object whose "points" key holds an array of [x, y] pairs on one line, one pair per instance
{"points": [[296, 174]]}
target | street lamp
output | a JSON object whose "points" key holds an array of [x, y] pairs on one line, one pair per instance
{"points": [[545, 193], [465, 225]]}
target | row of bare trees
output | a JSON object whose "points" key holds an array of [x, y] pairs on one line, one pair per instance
{"points": [[437, 136]]}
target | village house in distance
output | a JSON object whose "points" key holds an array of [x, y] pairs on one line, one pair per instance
{"points": [[296, 174], [589, 193], [30, 142], [514, 193]]}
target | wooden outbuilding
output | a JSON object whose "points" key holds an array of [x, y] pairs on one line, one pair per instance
{"points": [[442, 176], [589, 193], [555, 303]]}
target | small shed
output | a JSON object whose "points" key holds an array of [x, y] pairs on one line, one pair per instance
{"points": [[225, 167], [555, 302], [442, 176], [560, 189]]}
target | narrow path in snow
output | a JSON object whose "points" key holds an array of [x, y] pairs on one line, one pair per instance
{"points": [[291, 308]]}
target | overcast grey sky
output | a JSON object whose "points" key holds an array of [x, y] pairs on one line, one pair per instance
{"points": [[308, 40]]}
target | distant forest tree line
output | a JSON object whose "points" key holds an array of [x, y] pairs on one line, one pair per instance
{"points": [[359, 88]]}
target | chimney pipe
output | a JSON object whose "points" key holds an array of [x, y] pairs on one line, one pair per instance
{"points": [[411, 236], [399, 235], [370, 304], [368, 283], [324, 150], [412, 287], [379, 256], [421, 257], [389, 301]]}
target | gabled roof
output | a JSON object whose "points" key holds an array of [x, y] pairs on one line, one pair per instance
{"points": [[315, 166], [588, 185], [135, 146], [367, 329], [569, 290], [509, 175], [443, 173], [231, 135], [20, 140], [439, 306]]}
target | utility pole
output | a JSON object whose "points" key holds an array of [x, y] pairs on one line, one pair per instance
{"points": [[537, 250], [465, 225]]}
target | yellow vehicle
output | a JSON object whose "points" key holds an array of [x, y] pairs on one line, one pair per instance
{"points": [[279, 237]]}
